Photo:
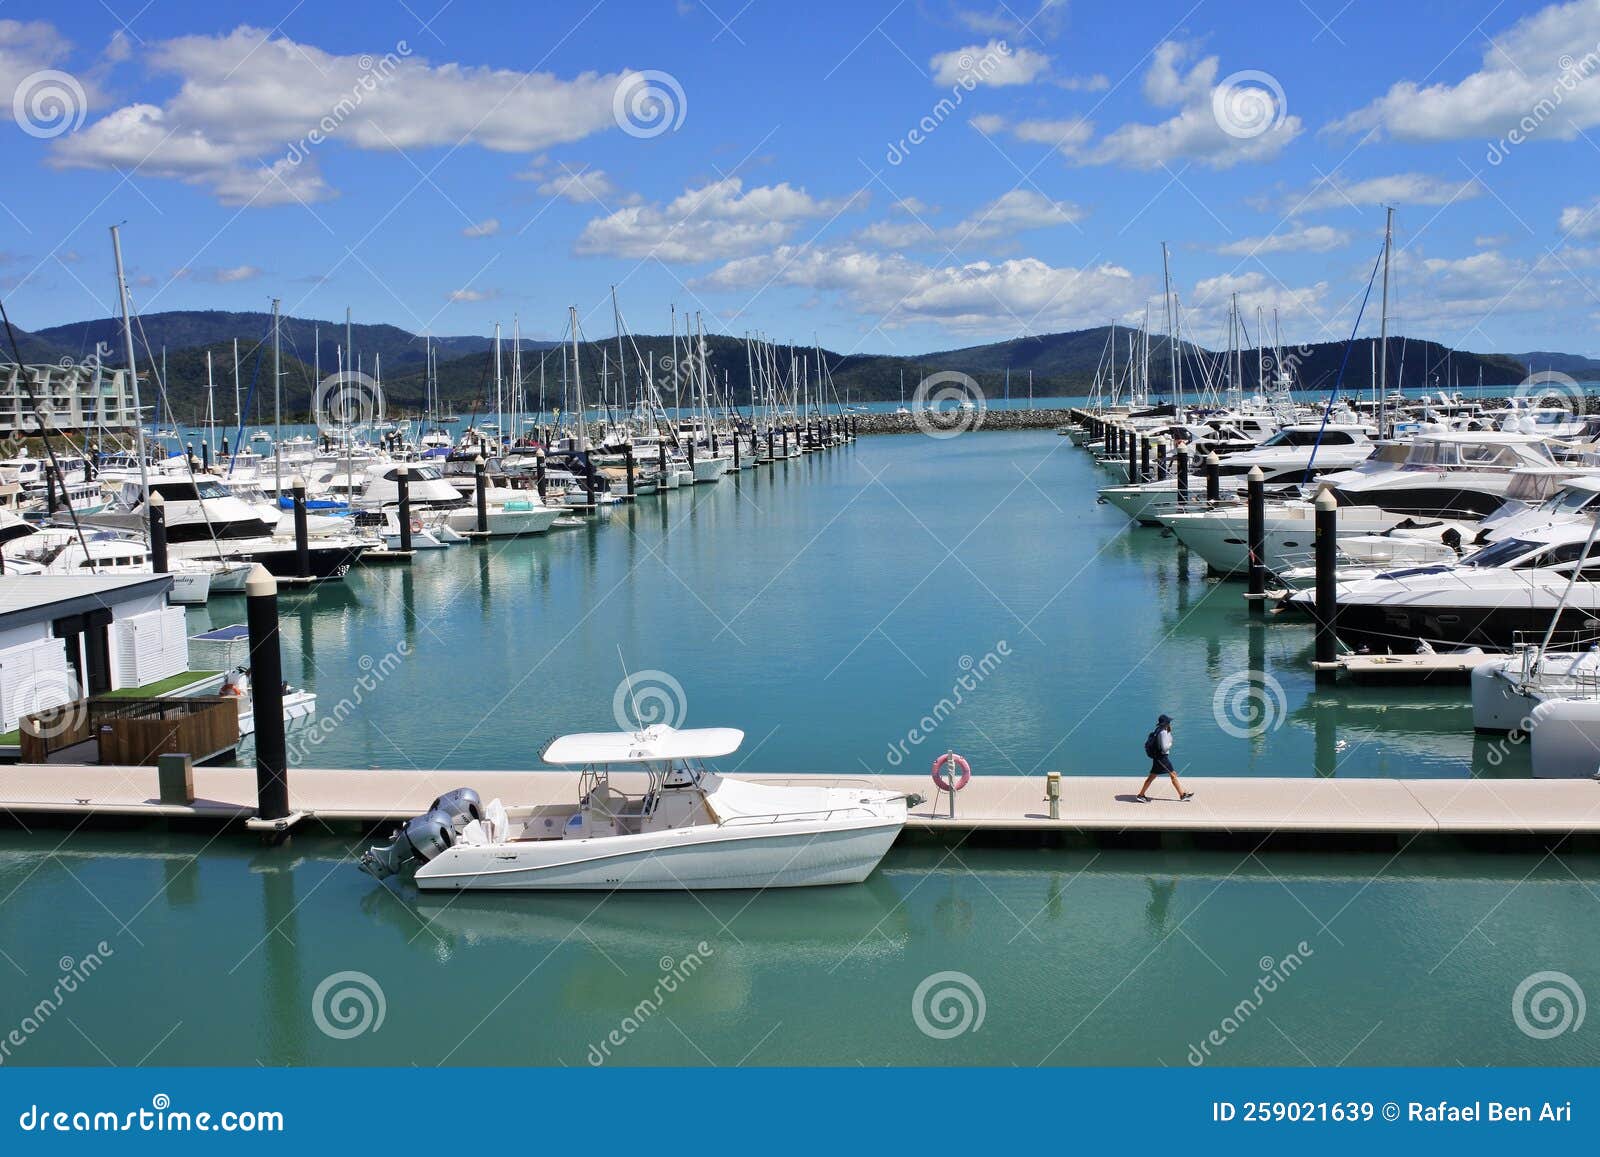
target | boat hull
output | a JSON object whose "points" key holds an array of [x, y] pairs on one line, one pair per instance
{"points": [[729, 856]]}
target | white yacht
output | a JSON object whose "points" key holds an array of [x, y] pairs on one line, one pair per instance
{"points": [[1448, 474], [1508, 591], [1294, 455], [650, 815], [1367, 534]]}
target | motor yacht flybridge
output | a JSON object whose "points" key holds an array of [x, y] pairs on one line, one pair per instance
{"points": [[650, 815]]}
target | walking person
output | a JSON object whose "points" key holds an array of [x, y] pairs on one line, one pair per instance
{"points": [[1158, 746]]}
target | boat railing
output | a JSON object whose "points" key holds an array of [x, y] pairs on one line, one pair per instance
{"points": [[824, 814]]}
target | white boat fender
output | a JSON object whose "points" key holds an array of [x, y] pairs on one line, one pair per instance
{"points": [[957, 763]]}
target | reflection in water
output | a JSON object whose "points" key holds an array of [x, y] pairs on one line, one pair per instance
{"points": [[1157, 909]]}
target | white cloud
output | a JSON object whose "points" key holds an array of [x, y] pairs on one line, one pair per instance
{"points": [[1015, 212], [995, 63], [237, 273], [486, 228], [1021, 295], [1295, 238], [1097, 82], [588, 187], [1539, 75], [1581, 220], [1216, 125], [1207, 306], [1396, 189], [711, 223], [25, 48], [252, 110], [470, 295]]}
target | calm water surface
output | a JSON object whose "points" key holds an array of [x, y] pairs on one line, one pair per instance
{"points": [[826, 607]]}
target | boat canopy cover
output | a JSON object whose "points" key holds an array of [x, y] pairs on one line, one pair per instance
{"points": [[653, 743], [229, 634]]}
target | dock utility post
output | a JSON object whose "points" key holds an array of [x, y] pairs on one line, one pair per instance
{"points": [[1052, 792], [266, 683], [158, 533], [1213, 477], [302, 539], [1327, 586], [402, 481], [175, 779], [1256, 539], [481, 479]]}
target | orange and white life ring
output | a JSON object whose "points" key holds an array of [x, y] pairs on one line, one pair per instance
{"points": [[959, 763], [416, 526]]}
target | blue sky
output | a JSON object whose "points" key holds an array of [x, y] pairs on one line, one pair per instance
{"points": [[886, 177]]}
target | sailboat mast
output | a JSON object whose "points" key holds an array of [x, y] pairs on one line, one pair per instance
{"points": [[133, 372], [277, 407], [577, 381], [1383, 328], [1172, 339]]}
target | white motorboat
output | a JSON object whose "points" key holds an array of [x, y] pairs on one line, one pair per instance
{"points": [[1221, 536], [650, 815], [1294, 455], [1448, 474], [1507, 690]]}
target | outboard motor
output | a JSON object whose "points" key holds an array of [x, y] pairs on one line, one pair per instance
{"points": [[420, 840], [461, 802]]}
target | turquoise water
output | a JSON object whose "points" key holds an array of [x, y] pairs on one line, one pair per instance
{"points": [[826, 607]]}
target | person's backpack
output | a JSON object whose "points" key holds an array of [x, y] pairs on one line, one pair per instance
{"points": [[1152, 744]]}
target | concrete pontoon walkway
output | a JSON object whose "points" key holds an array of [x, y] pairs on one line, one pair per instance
{"points": [[991, 803]]}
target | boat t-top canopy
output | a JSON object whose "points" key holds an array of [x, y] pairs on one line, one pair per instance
{"points": [[659, 742]]}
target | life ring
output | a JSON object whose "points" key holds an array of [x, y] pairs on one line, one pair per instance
{"points": [[416, 526], [942, 780]]}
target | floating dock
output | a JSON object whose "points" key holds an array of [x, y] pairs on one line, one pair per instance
{"points": [[1222, 805]]}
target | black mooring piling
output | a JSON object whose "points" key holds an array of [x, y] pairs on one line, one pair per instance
{"points": [[402, 481], [302, 534], [1327, 650], [1256, 539], [480, 474], [266, 689], [158, 533]]}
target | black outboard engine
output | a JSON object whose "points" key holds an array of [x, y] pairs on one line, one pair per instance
{"points": [[420, 840]]}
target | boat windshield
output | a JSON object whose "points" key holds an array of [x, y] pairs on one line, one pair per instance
{"points": [[1501, 553], [1569, 500]]}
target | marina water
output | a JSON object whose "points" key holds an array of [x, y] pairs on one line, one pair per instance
{"points": [[861, 610]]}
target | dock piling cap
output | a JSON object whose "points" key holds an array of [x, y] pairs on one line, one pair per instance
{"points": [[1326, 500], [156, 499], [1255, 474], [402, 468], [297, 483], [478, 461], [260, 582]]}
